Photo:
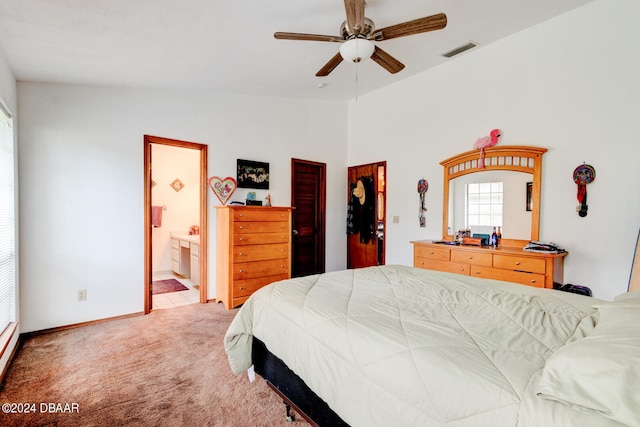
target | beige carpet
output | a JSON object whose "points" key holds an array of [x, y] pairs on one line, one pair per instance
{"points": [[168, 368]]}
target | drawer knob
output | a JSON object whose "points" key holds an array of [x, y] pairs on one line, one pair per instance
{"points": [[461, 268], [431, 253], [282, 266], [241, 288], [241, 227], [517, 262], [241, 271], [470, 257], [240, 254], [477, 272], [282, 237], [281, 250], [533, 280], [241, 214], [242, 238]]}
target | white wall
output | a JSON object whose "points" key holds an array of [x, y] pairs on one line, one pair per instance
{"points": [[181, 209], [81, 171], [570, 85]]}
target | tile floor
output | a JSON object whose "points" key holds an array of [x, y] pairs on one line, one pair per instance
{"points": [[175, 299]]}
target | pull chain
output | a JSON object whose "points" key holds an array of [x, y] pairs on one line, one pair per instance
{"points": [[357, 63]]}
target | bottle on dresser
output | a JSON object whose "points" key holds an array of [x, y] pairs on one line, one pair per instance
{"points": [[494, 238]]}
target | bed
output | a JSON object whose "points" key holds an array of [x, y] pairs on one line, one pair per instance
{"points": [[396, 345]]}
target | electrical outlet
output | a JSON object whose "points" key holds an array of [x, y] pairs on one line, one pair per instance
{"points": [[396, 219], [82, 295]]}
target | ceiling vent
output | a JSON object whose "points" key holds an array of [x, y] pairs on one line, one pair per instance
{"points": [[459, 50]]}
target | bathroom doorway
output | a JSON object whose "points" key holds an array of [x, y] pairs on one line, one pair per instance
{"points": [[175, 212]]}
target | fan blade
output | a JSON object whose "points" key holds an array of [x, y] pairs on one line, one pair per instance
{"points": [[330, 66], [387, 61], [307, 37], [417, 26], [355, 15]]}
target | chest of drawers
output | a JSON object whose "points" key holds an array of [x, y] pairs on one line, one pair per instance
{"points": [[253, 245], [508, 264]]}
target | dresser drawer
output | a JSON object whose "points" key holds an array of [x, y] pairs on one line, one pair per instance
{"points": [[250, 270], [260, 238], [523, 278], [441, 254], [261, 227], [243, 288], [245, 253], [268, 214], [472, 258], [434, 264], [514, 262]]}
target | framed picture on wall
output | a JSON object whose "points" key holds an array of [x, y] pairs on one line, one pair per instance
{"points": [[251, 174]]}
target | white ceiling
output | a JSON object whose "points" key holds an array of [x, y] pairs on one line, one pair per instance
{"points": [[228, 46]]}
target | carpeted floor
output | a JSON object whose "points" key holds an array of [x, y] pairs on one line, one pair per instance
{"points": [[167, 368], [165, 286]]}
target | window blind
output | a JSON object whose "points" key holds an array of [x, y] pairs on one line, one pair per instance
{"points": [[7, 222]]}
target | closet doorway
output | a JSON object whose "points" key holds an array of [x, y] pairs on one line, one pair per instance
{"points": [[366, 215], [191, 247], [308, 198]]}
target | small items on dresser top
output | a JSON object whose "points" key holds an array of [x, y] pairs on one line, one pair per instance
{"points": [[543, 247]]}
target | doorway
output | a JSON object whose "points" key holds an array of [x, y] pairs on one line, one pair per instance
{"points": [[366, 215], [308, 198], [195, 244]]}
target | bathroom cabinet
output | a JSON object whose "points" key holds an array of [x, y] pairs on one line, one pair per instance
{"points": [[180, 262]]}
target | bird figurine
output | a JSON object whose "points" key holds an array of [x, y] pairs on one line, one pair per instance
{"points": [[484, 142]]}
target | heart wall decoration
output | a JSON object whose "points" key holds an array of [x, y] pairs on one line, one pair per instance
{"points": [[222, 188]]}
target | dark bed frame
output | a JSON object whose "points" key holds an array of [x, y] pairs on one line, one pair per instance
{"points": [[292, 389]]}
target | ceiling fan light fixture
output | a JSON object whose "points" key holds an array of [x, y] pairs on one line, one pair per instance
{"points": [[357, 49]]}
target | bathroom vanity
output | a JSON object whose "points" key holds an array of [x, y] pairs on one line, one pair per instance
{"points": [[185, 255]]}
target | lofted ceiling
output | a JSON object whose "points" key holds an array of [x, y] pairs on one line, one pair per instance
{"points": [[228, 46]]}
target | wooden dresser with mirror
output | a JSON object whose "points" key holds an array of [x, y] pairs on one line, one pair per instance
{"points": [[519, 168]]}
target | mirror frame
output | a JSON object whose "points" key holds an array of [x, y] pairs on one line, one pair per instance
{"points": [[516, 158]]}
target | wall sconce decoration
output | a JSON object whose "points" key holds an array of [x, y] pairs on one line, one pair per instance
{"points": [[423, 186], [177, 185], [583, 175]]}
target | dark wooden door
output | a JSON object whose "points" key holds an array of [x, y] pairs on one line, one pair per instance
{"points": [[366, 215], [308, 197]]}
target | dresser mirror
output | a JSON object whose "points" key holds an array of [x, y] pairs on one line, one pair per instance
{"points": [[511, 175]]}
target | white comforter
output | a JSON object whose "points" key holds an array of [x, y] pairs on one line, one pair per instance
{"points": [[399, 346]]}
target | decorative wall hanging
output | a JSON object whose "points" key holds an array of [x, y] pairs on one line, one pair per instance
{"points": [[222, 188], [484, 142], [423, 186], [583, 175], [252, 174], [177, 185]]}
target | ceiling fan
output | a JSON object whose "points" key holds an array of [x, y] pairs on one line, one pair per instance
{"points": [[357, 33]]}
